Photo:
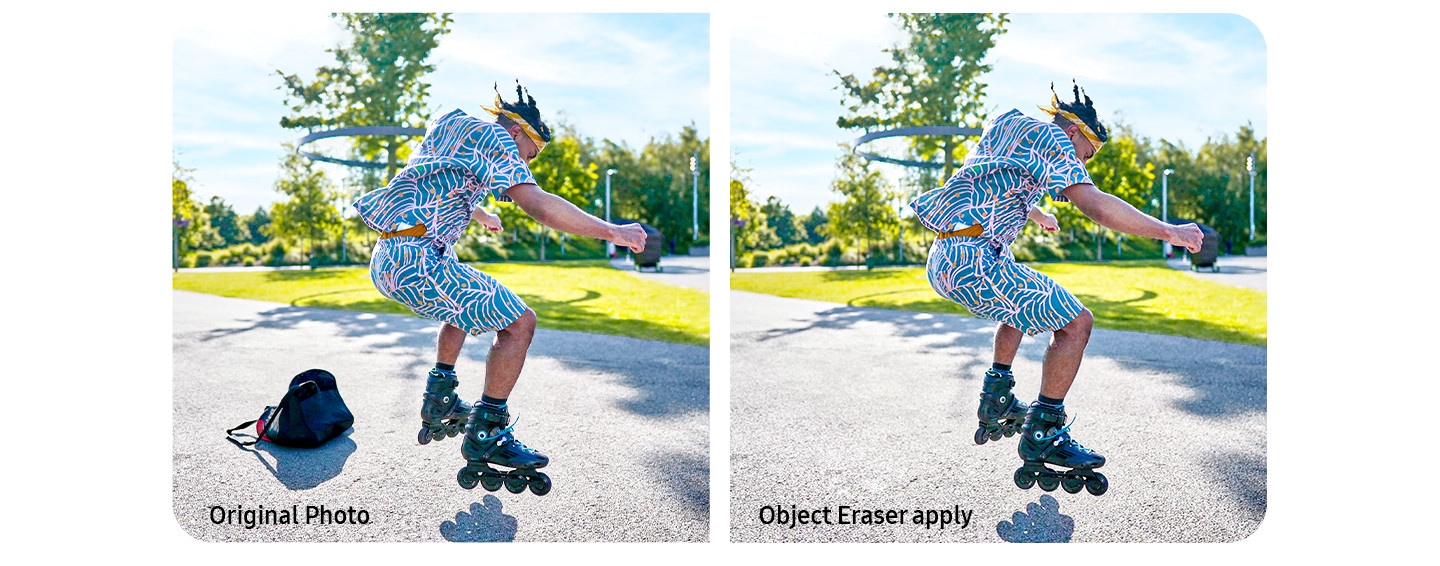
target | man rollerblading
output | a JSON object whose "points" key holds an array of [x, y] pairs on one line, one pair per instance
{"points": [[978, 213], [420, 214]]}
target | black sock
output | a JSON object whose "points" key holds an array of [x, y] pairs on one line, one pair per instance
{"points": [[493, 402], [444, 367], [1055, 403], [1000, 366]]}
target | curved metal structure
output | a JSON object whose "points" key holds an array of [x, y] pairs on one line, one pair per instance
{"points": [[355, 131], [911, 131]]}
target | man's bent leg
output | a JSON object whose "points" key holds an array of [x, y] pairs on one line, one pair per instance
{"points": [[452, 338], [1007, 343], [1062, 359], [507, 355]]}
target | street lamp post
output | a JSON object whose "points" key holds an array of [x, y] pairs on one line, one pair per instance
{"points": [[695, 197], [1165, 203], [1250, 167], [609, 246]]}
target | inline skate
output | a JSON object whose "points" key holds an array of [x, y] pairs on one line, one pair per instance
{"points": [[442, 414], [1000, 412], [1045, 439], [489, 440]]}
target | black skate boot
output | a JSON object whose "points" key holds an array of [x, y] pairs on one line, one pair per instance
{"points": [[1045, 439], [1000, 412], [442, 414], [488, 440]]}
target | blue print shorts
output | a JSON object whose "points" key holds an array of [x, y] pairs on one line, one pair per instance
{"points": [[426, 276], [987, 280]]}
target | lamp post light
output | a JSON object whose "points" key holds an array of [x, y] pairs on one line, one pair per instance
{"points": [[609, 246], [1165, 203], [695, 197], [1250, 167]]}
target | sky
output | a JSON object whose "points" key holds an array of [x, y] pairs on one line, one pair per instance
{"points": [[1178, 77], [625, 77]]}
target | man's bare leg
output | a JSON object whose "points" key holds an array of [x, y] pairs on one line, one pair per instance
{"points": [[507, 356], [1062, 359], [449, 344], [1007, 343]]}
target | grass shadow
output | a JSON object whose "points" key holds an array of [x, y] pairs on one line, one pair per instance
{"points": [[668, 379]]}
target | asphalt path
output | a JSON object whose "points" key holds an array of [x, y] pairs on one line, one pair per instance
{"points": [[874, 409], [624, 421], [681, 270], [1237, 270]]}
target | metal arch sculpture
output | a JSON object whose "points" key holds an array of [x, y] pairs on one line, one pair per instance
{"points": [[355, 131], [911, 131]]}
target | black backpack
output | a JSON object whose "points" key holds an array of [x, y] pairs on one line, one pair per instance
{"points": [[310, 414]]}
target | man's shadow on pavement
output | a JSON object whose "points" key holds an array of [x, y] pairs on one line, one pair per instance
{"points": [[305, 468], [1042, 522], [485, 522]]}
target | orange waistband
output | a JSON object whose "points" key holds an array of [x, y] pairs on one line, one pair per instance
{"points": [[416, 231], [974, 231]]}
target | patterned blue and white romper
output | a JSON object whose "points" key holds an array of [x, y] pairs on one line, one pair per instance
{"points": [[460, 161], [1017, 161]]}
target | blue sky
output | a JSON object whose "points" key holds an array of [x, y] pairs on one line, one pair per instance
{"points": [[1180, 77], [626, 77]]}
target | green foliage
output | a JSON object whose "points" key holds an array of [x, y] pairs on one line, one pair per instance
{"points": [[867, 213], [749, 226], [787, 228], [226, 223], [375, 81], [934, 80], [258, 226], [188, 220], [310, 213], [816, 226], [655, 185]]}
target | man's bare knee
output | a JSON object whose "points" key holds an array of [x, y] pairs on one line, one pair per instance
{"points": [[523, 328], [1078, 329]]}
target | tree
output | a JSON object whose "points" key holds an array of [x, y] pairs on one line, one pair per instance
{"points": [[865, 214], [225, 222], [310, 212], [376, 81], [258, 225], [187, 218], [748, 224], [933, 81], [815, 225], [655, 185], [1211, 185], [778, 217]]}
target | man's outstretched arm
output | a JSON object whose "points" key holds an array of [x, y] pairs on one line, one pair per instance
{"points": [[561, 215], [1113, 213]]}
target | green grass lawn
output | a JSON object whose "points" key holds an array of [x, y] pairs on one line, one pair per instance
{"points": [[585, 296], [1144, 296]]}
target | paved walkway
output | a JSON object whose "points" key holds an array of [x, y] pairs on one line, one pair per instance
{"points": [[682, 270], [875, 409], [1238, 270], [624, 421]]}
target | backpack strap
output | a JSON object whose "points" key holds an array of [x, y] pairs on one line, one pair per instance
{"points": [[231, 436], [265, 419]]}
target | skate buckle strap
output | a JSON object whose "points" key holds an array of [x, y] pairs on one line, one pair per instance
{"points": [[502, 432], [1055, 441]]}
